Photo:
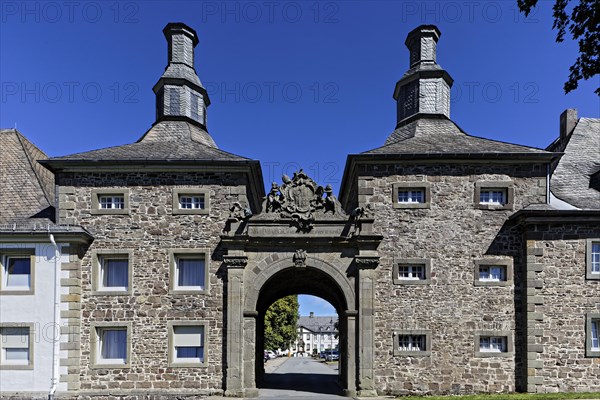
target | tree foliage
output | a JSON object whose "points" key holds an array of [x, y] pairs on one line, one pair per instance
{"points": [[584, 26], [281, 321]]}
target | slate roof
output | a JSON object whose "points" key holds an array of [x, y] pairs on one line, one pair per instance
{"points": [[165, 141], [26, 188], [573, 179], [318, 324], [442, 136]]}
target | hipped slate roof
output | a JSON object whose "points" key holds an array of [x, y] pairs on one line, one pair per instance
{"points": [[318, 324], [165, 141], [442, 136], [26, 188], [574, 173]]}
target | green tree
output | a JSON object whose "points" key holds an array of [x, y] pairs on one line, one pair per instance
{"points": [[281, 320], [584, 25]]}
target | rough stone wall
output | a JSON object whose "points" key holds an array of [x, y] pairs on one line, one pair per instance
{"points": [[561, 296], [151, 230], [453, 233]]}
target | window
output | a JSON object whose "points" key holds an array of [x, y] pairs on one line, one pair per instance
{"points": [[110, 201], [17, 275], [593, 259], [190, 201], [493, 272], [186, 343], [592, 335], [188, 270], [111, 344], [411, 194], [412, 343], [493, 344], [16, 346], [112, 271], [411, 271], [494, 195]]}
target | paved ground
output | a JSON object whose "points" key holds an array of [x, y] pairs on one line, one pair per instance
{"points": [[300, 378]]}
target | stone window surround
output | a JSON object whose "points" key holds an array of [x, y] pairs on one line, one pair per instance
{"points": [[588, 260], [400, 332], [171, 350], [30, 326], [173, 253], [95, 341], [97, 254], [96, 193], [190, 191], [412, 261], [505, 185], [588, 334], [509, 343], [426, 186], [507, 263], [15, 252]]}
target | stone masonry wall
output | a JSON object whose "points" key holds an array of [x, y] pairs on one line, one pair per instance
{"points": [[560, 298], [452, 233], [151, 230]]}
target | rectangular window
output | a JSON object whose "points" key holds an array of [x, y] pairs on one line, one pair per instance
{"points": [[411, 342], [492, 344], [194, 106], [592, 335], [15, 346], [112, 345], [17, 272], [414, 272], [492, 197], [595, 257], [190, 272], [187, 344], [173, 101], [411, 196], [191, 202], [116, 202], [492, 273], [595, 334], [114, 273]]}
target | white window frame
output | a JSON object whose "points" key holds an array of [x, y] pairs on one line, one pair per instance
{"points": [[412, 342], [505, 264], [97, 336], [493, 344], [493, 194], [413, 271], [418, 343], [112, 194], [6, 275], [99, 257], [592, 334], [16, 253], [592, 258], [413, 200], [183, 257], [413, 264], [174, 361], [103, 261], [27, 344], [179, 193], [413, 196], [492, 273], [194, 201], [177, 254], [113, 202]]}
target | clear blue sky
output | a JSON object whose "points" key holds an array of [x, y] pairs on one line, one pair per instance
{"points": [[315, 304]]}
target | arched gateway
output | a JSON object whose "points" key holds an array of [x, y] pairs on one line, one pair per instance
{"points": [[302, 242]]}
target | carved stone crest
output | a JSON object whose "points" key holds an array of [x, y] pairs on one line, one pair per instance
{"points": [[299, 199], [299, 258]]}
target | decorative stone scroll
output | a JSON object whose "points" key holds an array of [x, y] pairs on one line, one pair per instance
{"points": [[301, 199]]}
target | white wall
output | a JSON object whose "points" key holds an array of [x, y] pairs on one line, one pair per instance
{"points": [[36, 309]]}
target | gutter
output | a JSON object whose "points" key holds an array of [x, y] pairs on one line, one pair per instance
{"points": [[56, 344]]}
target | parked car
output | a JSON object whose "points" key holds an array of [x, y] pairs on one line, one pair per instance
{"points": [[322, 354], [271, 354], [266, 356], [332, 356]]}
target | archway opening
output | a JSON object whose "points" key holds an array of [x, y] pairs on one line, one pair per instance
{"points": [[302, 369]]}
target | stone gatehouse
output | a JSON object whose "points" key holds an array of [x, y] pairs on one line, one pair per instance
{"points": [[456, 264]]}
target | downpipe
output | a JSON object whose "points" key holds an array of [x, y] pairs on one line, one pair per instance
{"points": [[56, 344]]}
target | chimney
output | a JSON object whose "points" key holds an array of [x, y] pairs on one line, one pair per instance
{"points": [[568, 120], [179, 92], [424, 90], [312, 314]]}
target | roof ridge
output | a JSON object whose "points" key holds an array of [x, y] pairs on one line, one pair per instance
{"points": [[30, 160]]}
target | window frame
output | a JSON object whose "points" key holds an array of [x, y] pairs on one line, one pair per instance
{"points": [[507, 263], [507, 186], [12, 325], [508, 335], [16, 252], [95, 344], [412, 332], [97, 256], [171, 343], [177, 192], [425, 262], [174, 254], [97, 193], [419, 185], [589, 274], [589, 350]]}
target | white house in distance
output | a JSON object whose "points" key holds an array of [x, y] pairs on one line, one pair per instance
{"points": [[316, 334]]}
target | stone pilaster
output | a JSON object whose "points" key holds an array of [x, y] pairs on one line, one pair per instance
{"points": [[235, 290], [351, 351], [534, 318]]}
